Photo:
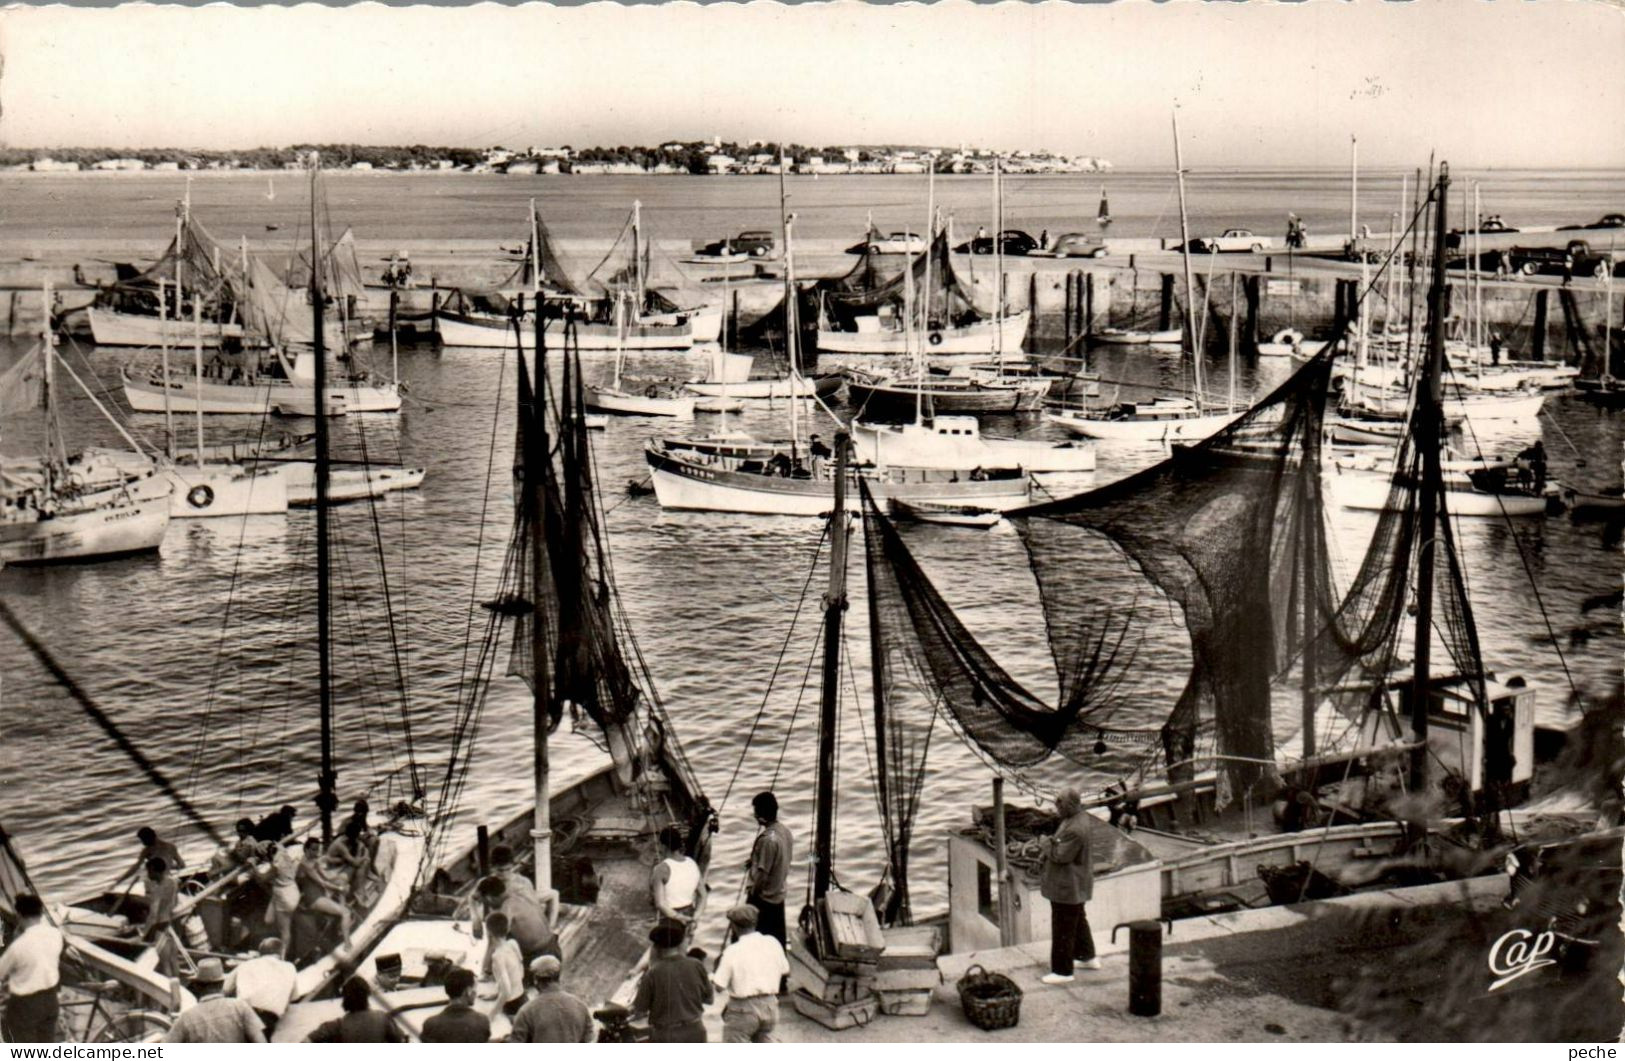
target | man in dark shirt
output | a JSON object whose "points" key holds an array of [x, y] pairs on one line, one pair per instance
{"points": [[768, 867], [360, 1023], [554, 1015], [459, 1022], [674, 991], [276, 826]]}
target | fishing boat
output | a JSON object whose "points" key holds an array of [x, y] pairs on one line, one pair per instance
{"points": [[638, 397], [45, 514], [280, 385], [949, 515], [1473, 487], [224, 908], [1289, 342], [880, 395], [585, 837], [874, 334], [1138, 336], [957, 443]]}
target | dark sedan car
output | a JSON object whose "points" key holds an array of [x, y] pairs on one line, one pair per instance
{"points": [[1606, 221], [1577, 259], [757, 244], [1015, 242]]}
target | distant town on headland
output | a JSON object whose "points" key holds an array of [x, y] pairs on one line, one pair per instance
{"points": [[715, 156]]}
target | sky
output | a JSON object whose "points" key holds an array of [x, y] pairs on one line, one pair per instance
{"points": [[1483, 82]]}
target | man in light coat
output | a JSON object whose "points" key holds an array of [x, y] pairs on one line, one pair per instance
{"points": [[1068, 883]]}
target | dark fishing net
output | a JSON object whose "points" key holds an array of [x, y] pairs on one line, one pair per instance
{"points": [[208, 271], [1219, 528], [880, 281]]}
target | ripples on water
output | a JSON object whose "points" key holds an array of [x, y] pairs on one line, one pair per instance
{"points": [[204, 654]]}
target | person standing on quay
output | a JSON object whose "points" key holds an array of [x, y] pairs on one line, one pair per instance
{"points": [[675, 990], [30, 971], [360, 1023], [751, 970], [554, 1015], [215, 1018], [1068, 883], [768, 867]]}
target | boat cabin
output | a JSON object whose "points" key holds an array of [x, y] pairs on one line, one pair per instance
{"points": [[1127, 881], [1475, 752]]}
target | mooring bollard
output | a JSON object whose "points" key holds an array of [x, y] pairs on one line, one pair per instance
{"points": [[1144, 964]]}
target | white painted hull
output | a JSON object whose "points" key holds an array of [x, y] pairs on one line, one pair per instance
{"points": [[1124, 337], [952, 516], [918, 446], [90, 534], [718, 405], [498, 332], [981, 338], [221, 491], [624, 404], [145, 393], [348, 483], [112, 328], [1476, 407], [1171, 429], [1370, 492], [704, 322], [801, 387], [703, 486]]}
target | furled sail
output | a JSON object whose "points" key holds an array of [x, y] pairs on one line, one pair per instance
{"points": [[878, 280], [539, 269], [22, 386]]}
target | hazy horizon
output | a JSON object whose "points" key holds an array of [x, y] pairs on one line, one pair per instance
{"points": [[1258, 85]]}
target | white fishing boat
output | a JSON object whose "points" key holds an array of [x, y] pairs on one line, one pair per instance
{"points": [[349, 484], [110, 327], [1158, 420], [643, 398], [719, 404], [1482, 487], [877, 335], [1289, 342], [281, 386], [1138, 337], [957, 443], [496, 330], [800, 387], [689, 479], [45, 517], [949, 515], [1516, 405]]}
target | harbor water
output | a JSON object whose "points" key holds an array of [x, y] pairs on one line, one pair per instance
{"points": [[204, 654]]}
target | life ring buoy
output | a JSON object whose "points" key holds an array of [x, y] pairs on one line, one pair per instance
{"points": [[200, 496], [936, 338], [1287, 337]]}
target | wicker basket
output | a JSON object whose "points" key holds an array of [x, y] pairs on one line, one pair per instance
{"points": [[991, 1000]]}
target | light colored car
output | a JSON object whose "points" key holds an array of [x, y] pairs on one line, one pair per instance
{"points": [[896, 243], [1075, 245], [1233, 239]]}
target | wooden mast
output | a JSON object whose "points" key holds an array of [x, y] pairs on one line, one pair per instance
{"points": [[828, 718], [327, 781], [1185, 256], [1428, 437], [541, 827]]}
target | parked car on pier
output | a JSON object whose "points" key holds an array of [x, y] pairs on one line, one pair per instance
{"points": [[1233, 239], [1606, 221], [1075, 245], [896, 243], [1015, 242], [1575, 259], [757, 244]]}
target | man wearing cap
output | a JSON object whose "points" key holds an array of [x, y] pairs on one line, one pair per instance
{"points": [[30, 971], [266, 983], [675, 990], [750, 972], [459, 1022], [554, 1015], [769, 866], [215, 1018]]}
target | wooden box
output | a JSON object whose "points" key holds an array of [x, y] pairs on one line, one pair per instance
{"points": [[909, 1002], [809, 974], [854, 930], [837, 1016], [907, 979], [911, 947]]}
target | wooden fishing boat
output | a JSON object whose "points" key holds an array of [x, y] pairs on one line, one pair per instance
{"points": [[877, 335], [1138, 337], [957, 443], [284, 386], [878, 395], [950, 515], [1160, 419]]}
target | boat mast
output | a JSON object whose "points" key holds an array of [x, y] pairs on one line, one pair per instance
{"points": [[1185, 256], [1429, 436], [998, 265], [541, 828], [637, 256], [163, 353], [197, 369], [535, 261], [327, 780], [792, 315], [828, 717], [925, 315], [1354, 190]]}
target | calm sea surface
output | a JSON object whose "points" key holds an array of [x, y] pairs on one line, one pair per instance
{"points": [[204, 654]]}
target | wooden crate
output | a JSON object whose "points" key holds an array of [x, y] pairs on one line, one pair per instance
{"points": [[837, 1016], [908, 1002], [911, 947], [907, 979], [854, 930]]}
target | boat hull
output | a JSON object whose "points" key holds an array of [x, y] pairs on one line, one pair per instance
{"points": [[93, 534], [1371, 493], [802, 387], [1126, 337], [457, 329], [112, 328], [982, 338], [921, 446], [698, 485], [219, 492], [1184, 429], [968, 396], [146, 395], [623, 404], [348, 484]]}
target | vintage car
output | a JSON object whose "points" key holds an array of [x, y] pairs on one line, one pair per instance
{"points": [[1013, 240], [1076, 245], [1575, 259], [896, 243], [1606, 221], [1233, 239], [756, 244]]}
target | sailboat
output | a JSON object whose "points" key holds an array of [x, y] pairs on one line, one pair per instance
{"points": [[45, 514], [647, 398], [586, 836], [1161, 419], [223, 911]]}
